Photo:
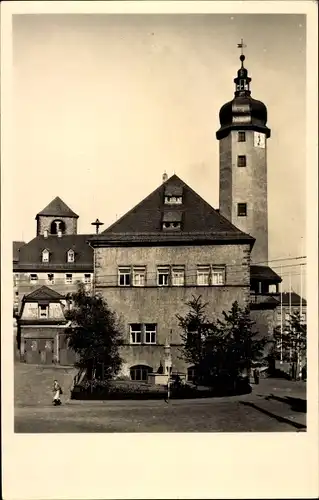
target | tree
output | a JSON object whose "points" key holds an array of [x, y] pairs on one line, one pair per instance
{"points": [[94, 334], [291, 341], [221, 349]]}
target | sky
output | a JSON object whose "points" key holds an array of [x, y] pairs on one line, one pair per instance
{"points": [[104, 104]]}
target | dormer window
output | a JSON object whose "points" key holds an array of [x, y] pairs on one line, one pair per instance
{"points": [[173, 200], [71, 256], [173, 195], [45, 255], [172, 221]]}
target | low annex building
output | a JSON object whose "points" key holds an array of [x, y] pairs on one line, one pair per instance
{"points": [[41, 328]]}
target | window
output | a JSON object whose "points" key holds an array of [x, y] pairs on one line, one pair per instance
{"points": [[45, 256], [173, 200], [150, 334], [139, 275], [43, 311], [124, 276], [136, 333], [87, 278], [163, 276], [70, 256], [203, 273], [140, 372], [178, 276], [218, 276], [172, 220], [191, 373], [68, 279], [242, 209], [241, 136], [51, 279], [33, 278], [287, 317], [241, 160], [171, 225]]}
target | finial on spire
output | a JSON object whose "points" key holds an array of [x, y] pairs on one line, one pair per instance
{"points": [[241, 46]]}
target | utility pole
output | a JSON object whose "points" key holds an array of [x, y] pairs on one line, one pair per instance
{"points": [[281, 317]]}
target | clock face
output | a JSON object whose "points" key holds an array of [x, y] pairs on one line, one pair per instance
{"points": [[259, 140]]}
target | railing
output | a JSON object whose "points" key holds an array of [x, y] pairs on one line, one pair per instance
{"points": [[260, 298]]}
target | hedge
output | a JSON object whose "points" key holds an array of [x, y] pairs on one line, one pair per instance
{"points": [[138, 390]]}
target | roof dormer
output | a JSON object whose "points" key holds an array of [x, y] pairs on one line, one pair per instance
{"points": [[45, 255], [172, 221], [173, 195], [70, 256]]}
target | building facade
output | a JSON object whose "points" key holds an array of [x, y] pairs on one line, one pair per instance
{"points": [[148, 265], [58, 257]]}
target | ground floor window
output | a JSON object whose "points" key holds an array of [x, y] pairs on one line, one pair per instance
{"points": [[140, 372]]}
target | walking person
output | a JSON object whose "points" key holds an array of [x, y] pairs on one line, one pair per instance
{"points": [[256, 376], [57, 391]]}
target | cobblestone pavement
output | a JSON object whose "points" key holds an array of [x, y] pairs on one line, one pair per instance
{"points": [[274, 405]]}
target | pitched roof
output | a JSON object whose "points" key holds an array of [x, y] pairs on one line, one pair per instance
{"points": [[30, 258], [200, 221], [16, 245], [264, 273], [43, 293], [57, 208], [294, 300]]}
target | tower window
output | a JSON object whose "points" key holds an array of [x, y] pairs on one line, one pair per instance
{"points": [[242, 209], [241, 136], [241, 160]]}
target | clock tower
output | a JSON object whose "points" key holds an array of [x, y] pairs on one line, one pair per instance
{"points": [[242, 139]]}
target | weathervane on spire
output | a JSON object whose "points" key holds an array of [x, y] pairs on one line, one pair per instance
{"points": [[241, 46]]}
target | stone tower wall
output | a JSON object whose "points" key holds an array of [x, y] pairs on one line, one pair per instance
{"points": [[245, 185], [44, 223]]}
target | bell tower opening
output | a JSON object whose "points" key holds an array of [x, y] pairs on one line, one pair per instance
{"points": [[56, 226]]}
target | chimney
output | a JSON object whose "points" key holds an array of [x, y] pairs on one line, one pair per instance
{"points": [[165, 177], [45, 233], [59, 233]]}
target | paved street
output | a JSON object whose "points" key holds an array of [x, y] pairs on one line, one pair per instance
{"points": [[273, 406]]}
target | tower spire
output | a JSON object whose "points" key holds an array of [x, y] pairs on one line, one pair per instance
{"points": [[242, 81]]}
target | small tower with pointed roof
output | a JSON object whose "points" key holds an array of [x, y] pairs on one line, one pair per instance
{"points": [[56, 219], [242, 139]]}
